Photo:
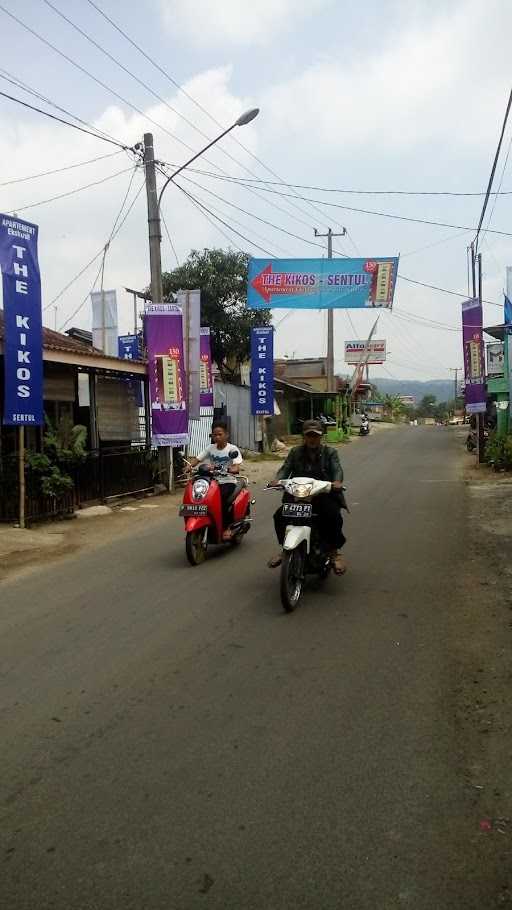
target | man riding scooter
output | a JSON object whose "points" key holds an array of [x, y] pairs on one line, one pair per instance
{"points": [[222, 454], [320, 462]]}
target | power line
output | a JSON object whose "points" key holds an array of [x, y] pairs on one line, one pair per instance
{"points": [[169, 238], [113, 234], [434, 287], [493, 171], [225, 223], [391, 215], [30, 90], [65, 122], [78, 189], [58, 170], [199, 106]]}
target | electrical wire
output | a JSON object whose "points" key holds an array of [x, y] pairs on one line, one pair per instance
{"points": [[491, 177], [77, 189], [391, 215], [30, 90], [225, 223], [200, 107], [169, 238], [58, 170], [434, 287], [113, 234], [65, 122]]}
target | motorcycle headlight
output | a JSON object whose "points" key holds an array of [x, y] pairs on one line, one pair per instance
{"points": [[200, 488], [302, 490]]}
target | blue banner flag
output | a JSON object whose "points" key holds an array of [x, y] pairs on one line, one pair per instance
{"points": [[23, 328], [262, 371], [508, 311], [128, 347], [321, 283]]}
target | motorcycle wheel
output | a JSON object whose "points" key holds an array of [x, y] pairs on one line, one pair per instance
{"points": [[195, 547], [292, 577]]}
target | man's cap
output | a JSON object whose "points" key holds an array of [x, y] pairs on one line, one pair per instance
{"points": [[312, 426]]}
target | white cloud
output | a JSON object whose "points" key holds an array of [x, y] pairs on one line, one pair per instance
{"points": [[236, 22]]}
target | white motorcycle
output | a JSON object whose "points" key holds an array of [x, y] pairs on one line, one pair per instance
{"points": [[303, 551]]}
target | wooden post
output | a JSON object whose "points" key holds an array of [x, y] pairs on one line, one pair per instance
{"points": [[21, 475]]}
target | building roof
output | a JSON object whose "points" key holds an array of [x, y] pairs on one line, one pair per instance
{"points": [[60, 348], [55, 341]]}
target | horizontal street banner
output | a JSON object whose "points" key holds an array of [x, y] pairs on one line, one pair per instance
{"points": [[321, 283]]}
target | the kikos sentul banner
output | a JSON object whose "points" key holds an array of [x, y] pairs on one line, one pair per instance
{"points": [[23, 330], [318, 284]]}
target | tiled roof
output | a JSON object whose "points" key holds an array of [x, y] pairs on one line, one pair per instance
{"points": [[55, 341]]}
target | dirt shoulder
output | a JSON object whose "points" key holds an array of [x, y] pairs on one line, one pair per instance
{"points": [[482, 686]]}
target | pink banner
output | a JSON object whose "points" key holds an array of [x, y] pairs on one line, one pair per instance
{"points": [[167, 380], [206, 370]]}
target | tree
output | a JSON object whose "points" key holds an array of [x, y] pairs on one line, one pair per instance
{"points": [[394, 406], [221, 277], [427, 406]]}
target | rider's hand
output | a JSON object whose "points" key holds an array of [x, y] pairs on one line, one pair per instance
{"points": [[337, 485]]}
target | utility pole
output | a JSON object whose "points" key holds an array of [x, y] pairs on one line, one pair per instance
{"points": [[456, 385], [155, 233], [476, 282], [330, 315]]}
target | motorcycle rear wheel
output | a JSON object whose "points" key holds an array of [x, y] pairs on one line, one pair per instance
{"points": [[292, 577], [195, 547]]}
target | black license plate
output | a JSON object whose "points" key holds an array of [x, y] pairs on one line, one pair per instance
{"points": [[191, 510], [297, 510]]}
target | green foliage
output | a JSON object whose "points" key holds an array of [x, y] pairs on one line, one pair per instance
{"points": [[222, 278], [498, 451], [64, 447]]}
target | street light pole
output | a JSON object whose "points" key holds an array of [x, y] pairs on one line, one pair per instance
{"points": [[456, 384]]}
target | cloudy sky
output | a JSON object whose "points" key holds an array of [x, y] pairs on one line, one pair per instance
{"points": [[383, 95]]}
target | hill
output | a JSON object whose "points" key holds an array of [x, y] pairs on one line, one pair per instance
{"points": [[441, 388]]}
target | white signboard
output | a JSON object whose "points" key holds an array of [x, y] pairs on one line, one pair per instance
{"points": [[495, 353], [104, 322], [355, 352]]}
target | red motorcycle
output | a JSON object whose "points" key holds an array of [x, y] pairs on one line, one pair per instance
{"points": [[202, 511]]}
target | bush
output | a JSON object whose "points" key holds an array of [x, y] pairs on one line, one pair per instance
{"points": [[498, 451]]}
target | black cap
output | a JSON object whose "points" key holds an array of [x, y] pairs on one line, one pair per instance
{"points": [[312, 426]]}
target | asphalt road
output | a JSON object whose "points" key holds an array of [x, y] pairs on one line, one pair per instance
{"points": [[170, 739]]}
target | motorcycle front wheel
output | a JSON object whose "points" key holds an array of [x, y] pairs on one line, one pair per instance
{"points": [[195, 546], [292, 577]]}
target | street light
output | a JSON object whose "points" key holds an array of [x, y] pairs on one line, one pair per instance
{"points": [[243, 120]]}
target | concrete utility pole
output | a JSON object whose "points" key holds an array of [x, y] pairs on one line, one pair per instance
{"points": [[456, 385], [330, 315], [155, 233]]}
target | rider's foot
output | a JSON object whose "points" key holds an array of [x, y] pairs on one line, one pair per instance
{"points": [[227, 535], [338, 563], [275, 561]]}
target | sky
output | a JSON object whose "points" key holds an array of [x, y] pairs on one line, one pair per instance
{"points": [[356, 100]]}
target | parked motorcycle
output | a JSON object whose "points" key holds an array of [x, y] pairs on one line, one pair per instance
{"points": [[304, 553], [364, 429], [471, 440], [202, 511]]}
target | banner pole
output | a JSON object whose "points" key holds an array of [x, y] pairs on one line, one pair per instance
{"points": [[21, 474]]}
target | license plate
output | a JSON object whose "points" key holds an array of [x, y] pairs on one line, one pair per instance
{"points": [[297, 510], [191, 510]]}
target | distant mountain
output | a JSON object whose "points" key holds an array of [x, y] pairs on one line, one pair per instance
{"points": [[441, 388]]}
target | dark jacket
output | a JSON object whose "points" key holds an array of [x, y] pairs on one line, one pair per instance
{"points": [[321, 464]]}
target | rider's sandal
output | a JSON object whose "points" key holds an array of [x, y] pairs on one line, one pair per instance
{"points": [[339, 565], [275, 561]]}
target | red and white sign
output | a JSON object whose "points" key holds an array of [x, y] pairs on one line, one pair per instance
{"points": [[373, 353]]}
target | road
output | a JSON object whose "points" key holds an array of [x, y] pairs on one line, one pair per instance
{"points": [[171, 739]]}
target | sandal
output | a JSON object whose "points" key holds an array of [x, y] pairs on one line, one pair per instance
{"points": [[338, 564], [275, 561], [228, 535]]}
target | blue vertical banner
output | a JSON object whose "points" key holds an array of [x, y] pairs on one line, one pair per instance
{"points": [[262, 371], [23, 328], [128, 347]]}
